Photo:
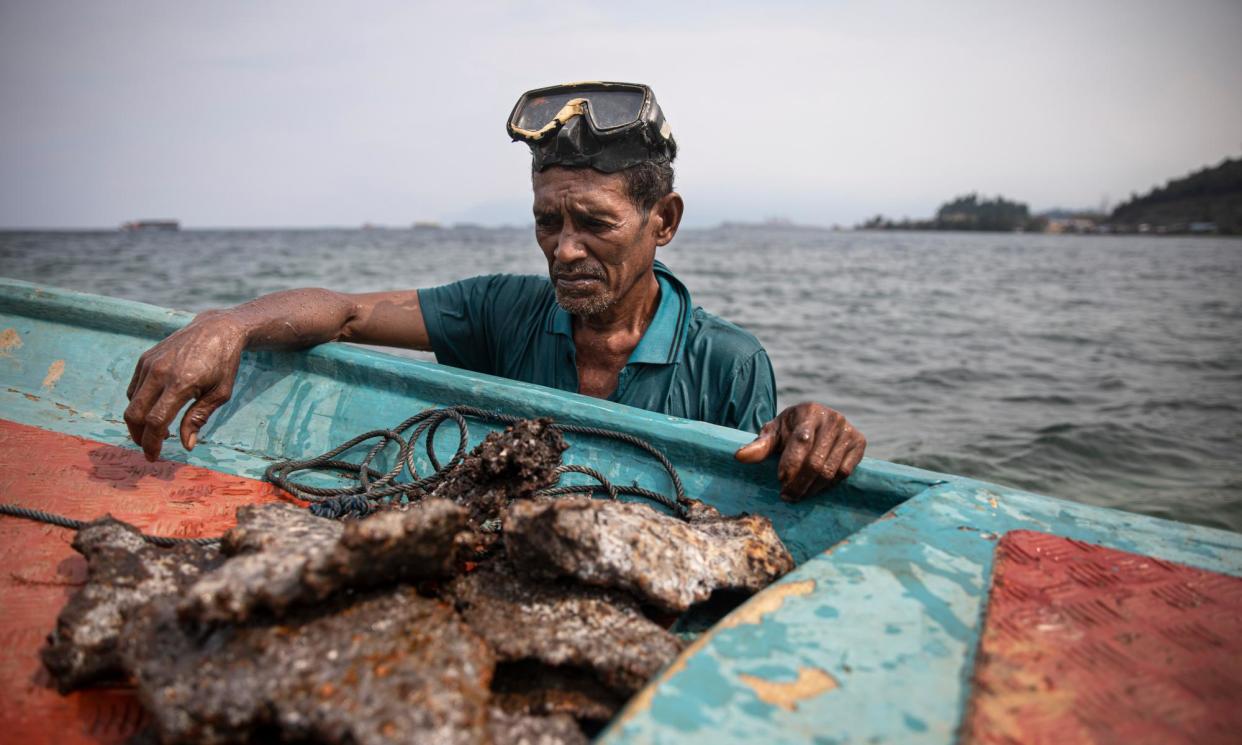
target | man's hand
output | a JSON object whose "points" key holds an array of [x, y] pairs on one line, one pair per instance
{"points": [[818, 448], [197, 362], [200, 361]]}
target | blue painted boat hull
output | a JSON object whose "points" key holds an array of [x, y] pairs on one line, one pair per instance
{"points": [[870, 639]]}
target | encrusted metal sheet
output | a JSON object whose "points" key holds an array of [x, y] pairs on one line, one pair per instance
{"points": [[1086, 644], [83, 479]]}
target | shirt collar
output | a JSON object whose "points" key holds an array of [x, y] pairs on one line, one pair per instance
{"points": [[663, 339]]}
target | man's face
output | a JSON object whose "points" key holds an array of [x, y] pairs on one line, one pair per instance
{"points": [[597, 242]]}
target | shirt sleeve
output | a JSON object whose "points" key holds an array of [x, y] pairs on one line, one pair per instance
{"points": [[458, 318], [752, 397]]}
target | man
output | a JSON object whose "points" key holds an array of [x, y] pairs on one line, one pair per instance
{"points": [[613, 322]]}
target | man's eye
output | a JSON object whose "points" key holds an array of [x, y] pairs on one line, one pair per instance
{"points": [[591, 223], [545, 221]]}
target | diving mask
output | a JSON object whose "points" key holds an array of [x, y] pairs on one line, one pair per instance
{"points": [[606, 126]]}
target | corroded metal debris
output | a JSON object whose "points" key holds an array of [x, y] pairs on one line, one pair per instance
{"points": [[511, 464], [302, 628], [530, 687], [562, 624], [507, 728], [390, 667], [664, 561], [124, 574], [283, 556]]}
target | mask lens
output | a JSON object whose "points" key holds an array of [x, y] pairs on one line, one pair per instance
{"points": [[610, 109], [539, 111]]}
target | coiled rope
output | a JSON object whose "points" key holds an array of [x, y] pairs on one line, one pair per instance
{"points": [[376, 488]]}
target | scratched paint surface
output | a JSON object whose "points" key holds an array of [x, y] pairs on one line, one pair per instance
{"points": [[82, 478], [1089, 644], [894, 620], [871, 639]]}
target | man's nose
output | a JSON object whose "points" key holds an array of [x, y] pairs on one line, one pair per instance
{"points": [[569, 246]]}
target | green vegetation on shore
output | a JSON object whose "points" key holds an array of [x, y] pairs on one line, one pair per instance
{"points": [[1208, 197], [967, 212], [1205, 202]]}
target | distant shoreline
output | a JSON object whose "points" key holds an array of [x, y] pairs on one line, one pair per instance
{"points": [[721, 227]]}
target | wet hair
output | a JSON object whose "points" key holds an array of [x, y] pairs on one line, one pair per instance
{"points": [[645, 183]]}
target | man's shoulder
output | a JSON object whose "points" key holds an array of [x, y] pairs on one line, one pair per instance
{"points": [[722, 342], [501, 290], [517, 283]]}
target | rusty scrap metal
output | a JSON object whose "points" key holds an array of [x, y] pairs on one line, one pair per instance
{"points": [[304, 628], [664, 561], [530, 687], [386, 668], [124, 574], [562, 624], [283, 556], [507, 728]]}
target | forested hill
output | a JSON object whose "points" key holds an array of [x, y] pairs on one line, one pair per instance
{"points": [[1212, 195]]}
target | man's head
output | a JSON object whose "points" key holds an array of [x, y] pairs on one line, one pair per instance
{"points": [[602, 161], [599, 231]]}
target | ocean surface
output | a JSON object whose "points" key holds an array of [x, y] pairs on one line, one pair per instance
{"points": [[1103, 369]]}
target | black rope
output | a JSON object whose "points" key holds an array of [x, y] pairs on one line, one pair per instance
{"points": [[27, 513], [375, 488]]}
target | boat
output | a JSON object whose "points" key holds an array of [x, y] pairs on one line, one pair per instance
{"points": [[874, 637], [135, 226]]}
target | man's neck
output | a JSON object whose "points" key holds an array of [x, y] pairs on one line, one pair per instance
{"points": [[629, 316], [605, 341]]}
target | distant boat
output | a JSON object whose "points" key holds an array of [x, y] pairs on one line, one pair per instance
{"points": [[138, 225], [426, 225]]}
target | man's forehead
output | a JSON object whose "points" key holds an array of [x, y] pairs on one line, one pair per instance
{"points": [[584, 185]]}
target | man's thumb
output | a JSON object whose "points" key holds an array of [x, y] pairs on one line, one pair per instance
{"points": [[757, 450]]}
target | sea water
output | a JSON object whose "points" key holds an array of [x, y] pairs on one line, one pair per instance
{"points": [[1103, 369]]}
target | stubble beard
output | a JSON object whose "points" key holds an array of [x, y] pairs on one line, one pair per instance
{"points": [[585, 306], [579, 304]]}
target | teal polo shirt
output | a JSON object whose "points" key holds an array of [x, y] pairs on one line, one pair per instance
{"points": [[689, 363]]}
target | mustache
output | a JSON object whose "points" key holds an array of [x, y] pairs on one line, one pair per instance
{"points": [[579, 270]]}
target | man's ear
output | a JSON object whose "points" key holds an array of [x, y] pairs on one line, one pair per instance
{"points": [[667, 213]]}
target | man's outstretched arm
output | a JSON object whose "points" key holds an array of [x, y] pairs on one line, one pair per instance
{"points": [[817, 446], [199, 362]]}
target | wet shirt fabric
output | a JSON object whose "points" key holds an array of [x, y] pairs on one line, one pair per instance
{"points": [[689, 363]]}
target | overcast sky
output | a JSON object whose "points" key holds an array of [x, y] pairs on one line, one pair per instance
{"points": [[307, 113]]}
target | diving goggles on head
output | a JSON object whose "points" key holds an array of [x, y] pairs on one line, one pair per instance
{"points": [[607, 126]]}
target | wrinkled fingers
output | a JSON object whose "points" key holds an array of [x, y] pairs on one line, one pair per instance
{"points": [[813, 467], [159, 417], [199, 412]]}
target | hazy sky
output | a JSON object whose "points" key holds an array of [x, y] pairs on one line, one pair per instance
{"points": [[308, 113]]}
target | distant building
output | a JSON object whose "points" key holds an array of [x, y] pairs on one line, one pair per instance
{"points": [[1071, 221], [1071, 225]]}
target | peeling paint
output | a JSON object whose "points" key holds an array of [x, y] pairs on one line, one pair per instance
{"points": [[54, 371], [768, 601], [916, 571], [751, 612], [811, 682], [9, 340]]}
